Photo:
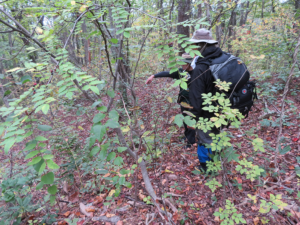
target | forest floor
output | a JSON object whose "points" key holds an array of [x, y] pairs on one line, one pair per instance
{"points": [[173, 174]]}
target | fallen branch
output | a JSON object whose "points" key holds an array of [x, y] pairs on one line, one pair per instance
{"points": [[113, 219]]}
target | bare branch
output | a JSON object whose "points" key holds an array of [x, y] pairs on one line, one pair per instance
{"points": [[286, 90], [3, 59]]}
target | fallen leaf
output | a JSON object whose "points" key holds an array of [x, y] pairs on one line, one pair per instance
{"points": [[83, 210], [295, 139], [171, 119], [291, 167], [134, 108], [109, 215], [106, 175], [217, 219], [81, 222], [256, 220], [66, 214], [141, 196], [255, 208], [98, 200], [168, 171], [111, 193], [65, 187], [120, 222], [74, 197], [90, 209], [175, 216], [62, 223], [202, 205]]}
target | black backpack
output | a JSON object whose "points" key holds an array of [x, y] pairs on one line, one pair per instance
{"points": [[242, 92]]}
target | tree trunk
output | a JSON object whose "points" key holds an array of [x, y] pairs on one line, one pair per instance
{"points": [[85, 44], [183, 7], [170, 14], [262, 8], [218, 25], [231, 33], [208, 14], [297, 4]]}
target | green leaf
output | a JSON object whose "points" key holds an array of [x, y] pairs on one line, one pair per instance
{"points": [[111, 93], [183, 85], [32, 154], [178, 120], [25, 79], [94, 151], [103, 154], [45, 108], [188, 121], [8, 145], [31, 145], [118, 161], [123, 171], [6, 93], [44, 127], [39, 186], [119, 32], [48, 178], [42, 168], [285, 150], [140, 159], [122, 149], [128, 185], [52, 189], [48, 156], [122, 180], [98, 117], [52, 165], [38, 166], [102, 108], [34, 160], [95, 89], [114, 40], [52, 200], [112, 123], [41, 138], [126, 34], [96, 103], [99, 131], [111, 156]]}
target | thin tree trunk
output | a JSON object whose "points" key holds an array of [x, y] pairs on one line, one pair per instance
{"points": [[183, 7], [208, 14], [85, 44]]}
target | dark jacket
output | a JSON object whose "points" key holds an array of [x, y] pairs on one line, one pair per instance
{"points": [[202, 81], [183, 95]]}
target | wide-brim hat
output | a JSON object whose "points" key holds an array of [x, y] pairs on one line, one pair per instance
{"points": [[186, 58], [203, 35]]}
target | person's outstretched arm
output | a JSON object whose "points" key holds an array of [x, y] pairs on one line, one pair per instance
{"points": [[174, 75]]}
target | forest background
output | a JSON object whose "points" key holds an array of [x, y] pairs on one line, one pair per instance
{"points": [[85, 141]]}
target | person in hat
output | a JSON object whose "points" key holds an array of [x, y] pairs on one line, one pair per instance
{"points": [[183, 95], [202, 83]]}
